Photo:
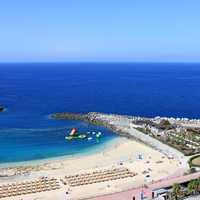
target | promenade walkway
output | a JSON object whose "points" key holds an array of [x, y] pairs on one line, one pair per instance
{"points": [[147, 191]]}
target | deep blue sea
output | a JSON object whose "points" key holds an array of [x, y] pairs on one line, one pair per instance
{"points": [[31, 92]]}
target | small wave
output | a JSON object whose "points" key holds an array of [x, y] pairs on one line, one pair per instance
{"points": [[34, 129]]}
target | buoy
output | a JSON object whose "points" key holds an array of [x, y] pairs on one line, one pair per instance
{"points": [[97, 135]]}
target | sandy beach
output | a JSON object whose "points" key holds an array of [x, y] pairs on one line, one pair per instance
{"points": [[148, 164]]}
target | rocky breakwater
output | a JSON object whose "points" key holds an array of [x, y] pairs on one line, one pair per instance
{"points": [[92, 117], [99, 119], [121, 126], [69, 116]]}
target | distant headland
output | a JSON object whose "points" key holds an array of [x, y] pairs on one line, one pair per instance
{"points": [[2, 108]]}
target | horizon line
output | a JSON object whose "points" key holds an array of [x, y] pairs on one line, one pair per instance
{"points": [[96, 62]]}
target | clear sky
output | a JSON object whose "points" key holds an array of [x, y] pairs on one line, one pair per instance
{"points": [[99, 30]]}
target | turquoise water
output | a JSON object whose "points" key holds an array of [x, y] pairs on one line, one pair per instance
{"points": [[33, 91], [24, 144]]}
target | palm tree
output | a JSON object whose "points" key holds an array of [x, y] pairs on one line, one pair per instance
{"points": [[193, 186], [197, 184], [190, 187], [198, 180], [176, 191]]}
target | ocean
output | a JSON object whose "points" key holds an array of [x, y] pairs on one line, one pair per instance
{"points": [[31, 92]]}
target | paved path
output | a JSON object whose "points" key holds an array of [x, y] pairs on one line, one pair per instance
{"points": [[128, 195]]}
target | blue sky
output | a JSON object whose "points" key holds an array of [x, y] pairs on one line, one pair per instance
{"points": [[105, 30]]}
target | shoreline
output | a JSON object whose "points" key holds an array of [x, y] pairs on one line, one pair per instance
{"points": [[87, 152], [147, 163], [95, 119], [121, 150], [105, 120]]}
